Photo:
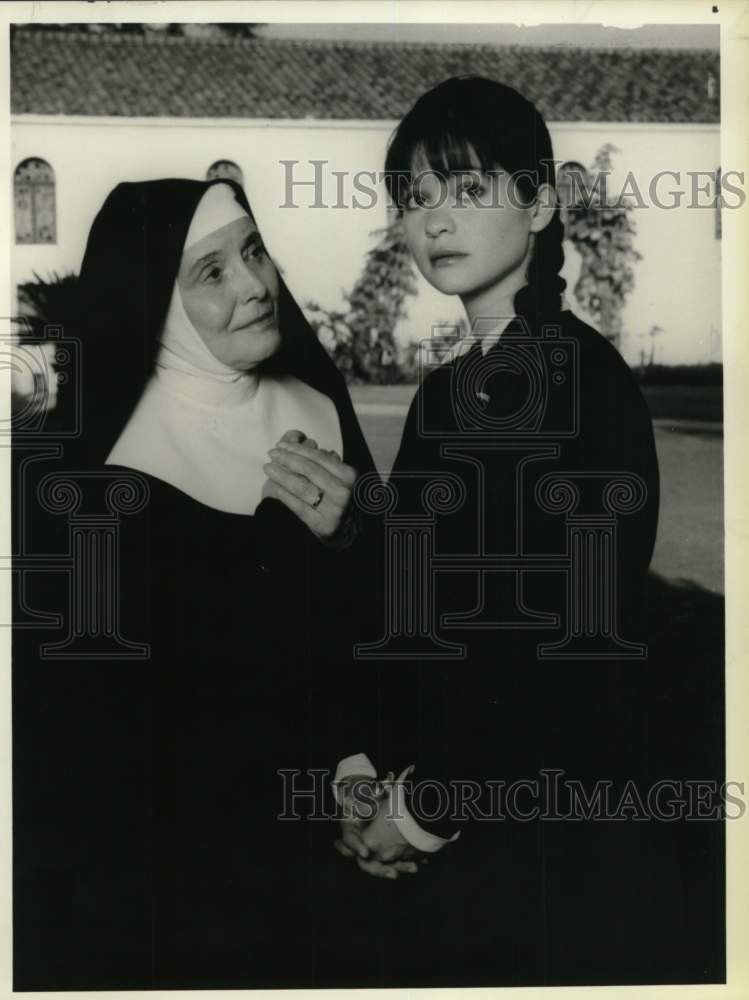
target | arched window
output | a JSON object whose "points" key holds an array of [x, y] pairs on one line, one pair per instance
{"points": [[34, 195], [225, 168]]}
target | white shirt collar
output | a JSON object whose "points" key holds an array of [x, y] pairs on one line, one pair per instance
{"points": [[487, 341]]}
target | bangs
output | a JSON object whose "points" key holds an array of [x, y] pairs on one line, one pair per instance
{"points": [[451, 153], [469, 123], [442, 151]]}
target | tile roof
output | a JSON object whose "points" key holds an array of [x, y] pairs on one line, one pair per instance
{"points": [[108, 74]]}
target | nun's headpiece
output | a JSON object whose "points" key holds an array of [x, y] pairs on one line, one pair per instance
{"points": [[127, 280]]}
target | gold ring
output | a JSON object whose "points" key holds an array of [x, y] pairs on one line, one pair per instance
{"points": [[318, 499]]}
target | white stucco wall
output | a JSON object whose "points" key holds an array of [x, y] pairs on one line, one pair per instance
{"points": [[321, 250]]}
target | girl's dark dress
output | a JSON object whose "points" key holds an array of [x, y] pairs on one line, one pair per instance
{"points": [[526, 898]]}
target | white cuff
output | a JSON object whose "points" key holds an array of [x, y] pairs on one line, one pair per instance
{"points": [[358, 764], [422, 840]]}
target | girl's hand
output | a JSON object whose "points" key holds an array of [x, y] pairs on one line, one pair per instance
{"points": [[314, 484], [378, 846]]}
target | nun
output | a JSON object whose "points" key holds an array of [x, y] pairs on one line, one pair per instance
{"points": [[164, 844]]}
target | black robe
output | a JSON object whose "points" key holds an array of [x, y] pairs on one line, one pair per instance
{"points": [[591, 429], [148, 849], [518, 901]]}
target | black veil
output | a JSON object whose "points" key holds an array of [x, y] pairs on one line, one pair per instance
{"points": [[127, 277], [248, 620]]}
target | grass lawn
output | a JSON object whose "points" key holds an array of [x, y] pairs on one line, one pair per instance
{"points": [[678, 402], [689, 545], [690, 533]]}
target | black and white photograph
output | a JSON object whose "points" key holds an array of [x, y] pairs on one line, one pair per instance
{"points": [[367, 557]]}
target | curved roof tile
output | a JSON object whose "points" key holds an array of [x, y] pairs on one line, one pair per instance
{"points": [[67, 73]]}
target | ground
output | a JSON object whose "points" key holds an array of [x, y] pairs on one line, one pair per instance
{"points": [[690, 454]]}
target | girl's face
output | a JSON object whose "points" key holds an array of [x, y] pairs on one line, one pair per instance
{"points": [[229, 289], [471, 233]]}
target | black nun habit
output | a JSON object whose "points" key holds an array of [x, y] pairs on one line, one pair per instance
{"points": [[148, 848]]}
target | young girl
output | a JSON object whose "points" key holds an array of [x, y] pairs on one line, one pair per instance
{"points": [[545, 399], [534, 419]]}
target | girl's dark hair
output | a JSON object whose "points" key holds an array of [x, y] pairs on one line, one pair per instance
{"points": [[471, 118]]}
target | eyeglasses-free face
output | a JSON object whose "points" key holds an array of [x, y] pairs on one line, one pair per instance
{"points": [[229, 288]]}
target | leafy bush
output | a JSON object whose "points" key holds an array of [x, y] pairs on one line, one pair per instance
{"points": [[603, 231], [361, 340], [44, 304], [49, 303]]}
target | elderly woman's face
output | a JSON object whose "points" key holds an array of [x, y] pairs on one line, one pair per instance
{"points": [[229, 289]]}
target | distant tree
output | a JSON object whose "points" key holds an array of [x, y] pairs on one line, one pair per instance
{"points": [[361, 339], [376, 304], [240, 30], [645, 358]]}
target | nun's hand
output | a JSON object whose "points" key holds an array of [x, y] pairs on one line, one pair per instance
{"points": [[314, 484]]}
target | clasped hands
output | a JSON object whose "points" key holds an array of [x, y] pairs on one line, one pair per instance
{"points": [[369, 833], [313, 483], [317, 486]]}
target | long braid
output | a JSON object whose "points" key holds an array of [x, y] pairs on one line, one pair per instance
{"points": [[540, 300]]}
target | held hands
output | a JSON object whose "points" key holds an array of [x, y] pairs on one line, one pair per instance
{"points": [[378, 846], [314, 484]]}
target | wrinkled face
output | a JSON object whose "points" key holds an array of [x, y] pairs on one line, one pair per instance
{"points": [[468, 232], [229, 289]]}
